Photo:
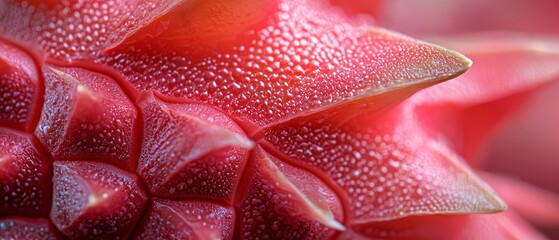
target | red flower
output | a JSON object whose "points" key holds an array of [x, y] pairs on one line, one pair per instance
{"points": [[282, 119]]}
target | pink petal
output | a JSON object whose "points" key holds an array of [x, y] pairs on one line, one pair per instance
{"points": [[386, 166], [19, 88], [68, 30], [527, 147], [28, 228], [92, 120], [294, 58], [466, 111], [506, 225], [286, 202], [24, 175], [95, 199], [174, 219], [190, 149]]}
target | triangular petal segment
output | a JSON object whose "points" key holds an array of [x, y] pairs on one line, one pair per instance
{"points": [[87, 116], [27, 228], [386, 166], [24, 176], [190, 149], [19, 88], [186, 219], [302, 55], [285, 202], [95, 199], [75, 29]]}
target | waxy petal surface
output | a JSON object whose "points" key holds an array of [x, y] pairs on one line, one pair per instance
{"points": [[285, 202], [295, 60], [27, 228], [69, 30], [19, 88], [87, 116], [428, 128], [533, 156], [24, 175], [95, 200], [174, 219], [386, 166], [318, 92], [190, 149]]}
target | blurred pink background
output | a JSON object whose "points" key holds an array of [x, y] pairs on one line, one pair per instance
{"points": [[527, 146]]}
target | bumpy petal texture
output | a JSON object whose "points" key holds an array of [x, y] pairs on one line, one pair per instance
{"points": [[467, 117], [284, 202], [24, 175], [28, 228], [20, 89], [250, 119], [525, 148], [449, 122], [75, 29], [386, 167], [191, 149], [93, 119], [278, 59], [172, 219], [95, 200], [296, 63]]}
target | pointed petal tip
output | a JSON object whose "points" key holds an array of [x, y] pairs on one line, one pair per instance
{"points": [[498, 204], [439, 63], [493, 202], [476, 196], [457, 63], [336, 225]]}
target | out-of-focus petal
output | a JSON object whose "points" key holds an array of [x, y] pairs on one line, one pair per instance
{"points": [[536, 205], [373, 8], [501, 226], [527, 147], [432, 17], [466, 111]]}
